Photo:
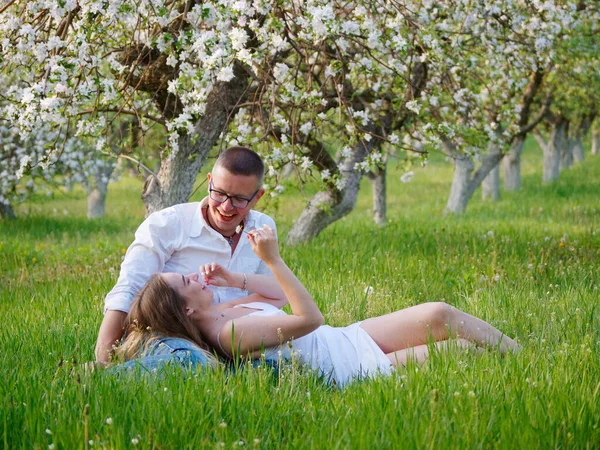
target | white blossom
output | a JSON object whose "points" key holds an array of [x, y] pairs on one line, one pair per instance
{"points": [[226, 74], [407, 177]]}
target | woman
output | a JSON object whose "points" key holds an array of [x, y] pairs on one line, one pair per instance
{"points": [[181, 306]]}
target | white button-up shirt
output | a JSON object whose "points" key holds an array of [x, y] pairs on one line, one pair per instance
{"points": [[178, 239]]}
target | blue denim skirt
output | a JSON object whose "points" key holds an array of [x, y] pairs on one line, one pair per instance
{"points": [[164, 353]]}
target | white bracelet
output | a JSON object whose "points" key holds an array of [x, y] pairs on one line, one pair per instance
{"points": [[244, 287]]}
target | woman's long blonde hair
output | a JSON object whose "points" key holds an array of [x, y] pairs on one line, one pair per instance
{"points": [[157, 311]]}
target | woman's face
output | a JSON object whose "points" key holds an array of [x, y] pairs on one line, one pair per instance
{"points": [[196, 294]]}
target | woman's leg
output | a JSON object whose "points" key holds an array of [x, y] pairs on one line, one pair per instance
{"points": [[437, 321], [420, 353]]}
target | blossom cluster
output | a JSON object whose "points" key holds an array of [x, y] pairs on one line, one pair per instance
{"points": [[356, 74]]}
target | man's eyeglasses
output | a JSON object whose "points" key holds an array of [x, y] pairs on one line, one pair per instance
{"points": [[236, 200]]}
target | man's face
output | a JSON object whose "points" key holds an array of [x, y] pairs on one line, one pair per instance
{"points": [[225, 217]]}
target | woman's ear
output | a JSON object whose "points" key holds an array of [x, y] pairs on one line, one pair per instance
{"points": [[188, 311]]}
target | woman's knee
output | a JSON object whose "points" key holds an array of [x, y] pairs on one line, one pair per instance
{"points": [[440, 316]]}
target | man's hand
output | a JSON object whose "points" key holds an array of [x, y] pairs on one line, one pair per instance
{"points": [[110, 332]]}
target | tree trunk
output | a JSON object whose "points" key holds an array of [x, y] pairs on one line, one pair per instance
{"points": [[595, 142], [552, 151], [490, 187], [463, 168], [465, 182], [566, 151], [6, 211], [378, 180], [328, 206], [178, 171], [97, 189], [96, 203], [578, 155], [512, 165]]}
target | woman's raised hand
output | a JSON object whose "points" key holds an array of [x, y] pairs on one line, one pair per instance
{"points": [[264, 243], [216, 275]]}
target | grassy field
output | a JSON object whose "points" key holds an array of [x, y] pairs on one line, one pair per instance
{"points": [[528, 264]]}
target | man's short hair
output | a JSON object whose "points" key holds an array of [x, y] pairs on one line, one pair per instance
{"points": [[241, 161]]}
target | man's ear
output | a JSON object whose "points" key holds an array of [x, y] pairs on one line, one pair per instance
{"points": [[188, 311], [208, 177], [260, 194]]}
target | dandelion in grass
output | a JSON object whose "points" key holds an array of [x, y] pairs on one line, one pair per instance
{"points": [[222, 425], [51, 447], [109, 421], [135, 441], [48, 431], [369, 290]]}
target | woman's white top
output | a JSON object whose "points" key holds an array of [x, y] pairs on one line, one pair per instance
{"points": [[340, 354]]}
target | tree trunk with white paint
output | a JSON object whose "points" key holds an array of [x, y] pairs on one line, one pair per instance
{"points": [[465, 182], [337, 201], [579, 133], [566, 151], [97, 190], [332, 204], [595, 142], [578, 155], [96, 203], [512, 165], [378, 180], [490, 187], [463, 168], [552, 151]]}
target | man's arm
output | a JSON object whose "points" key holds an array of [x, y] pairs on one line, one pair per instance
{"points": [[146, 255], [111, 330]]}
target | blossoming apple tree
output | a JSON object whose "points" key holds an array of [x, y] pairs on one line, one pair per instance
{"points": [[294, 79]]}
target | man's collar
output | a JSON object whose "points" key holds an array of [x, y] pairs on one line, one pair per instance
{"points": [[198, 222]]}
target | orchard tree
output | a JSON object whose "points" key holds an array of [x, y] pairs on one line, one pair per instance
{"points": [[492, 108], [26, 168], [292, 79], [575, 87]]}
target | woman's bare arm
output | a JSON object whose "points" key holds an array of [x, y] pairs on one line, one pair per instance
{"points": [[248, 334]]}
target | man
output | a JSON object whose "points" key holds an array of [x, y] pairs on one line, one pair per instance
{"points": [[183, 237]]}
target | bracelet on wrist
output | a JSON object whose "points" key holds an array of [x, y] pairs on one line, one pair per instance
{"points": [[245, 285]]}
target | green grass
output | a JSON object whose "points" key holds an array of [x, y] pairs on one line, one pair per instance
{"points": [[528, 264]]}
